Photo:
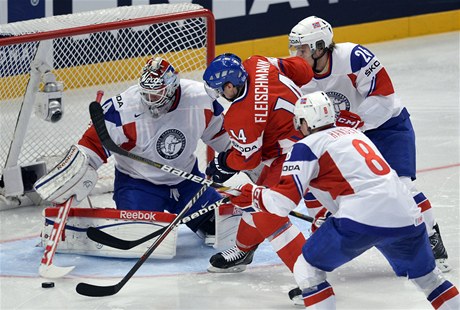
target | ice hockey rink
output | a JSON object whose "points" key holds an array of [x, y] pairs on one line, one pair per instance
{"points": [[425, 72]]}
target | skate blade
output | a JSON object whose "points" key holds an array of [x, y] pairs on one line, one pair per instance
{"points": [[443, 265], [235, 269]]}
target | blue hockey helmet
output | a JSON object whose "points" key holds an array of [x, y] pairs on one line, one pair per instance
{"points": [[225, 68]]}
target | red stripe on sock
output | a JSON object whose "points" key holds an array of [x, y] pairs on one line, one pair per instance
{"points": [[318, 297], [450, 293]]}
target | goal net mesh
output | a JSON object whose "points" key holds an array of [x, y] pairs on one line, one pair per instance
{"points": [[88, 51]]}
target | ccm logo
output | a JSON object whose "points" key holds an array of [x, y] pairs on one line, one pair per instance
{"points": [[128, 215]]}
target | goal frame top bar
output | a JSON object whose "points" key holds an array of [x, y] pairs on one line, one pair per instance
{"points": [[113, 25]]}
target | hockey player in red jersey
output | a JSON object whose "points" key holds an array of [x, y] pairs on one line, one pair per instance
{"points": [[370, 204], [363, 95], [262, 92]]}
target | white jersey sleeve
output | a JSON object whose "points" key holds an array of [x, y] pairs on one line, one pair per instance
{"points": [[349, 176], [358, 82]]}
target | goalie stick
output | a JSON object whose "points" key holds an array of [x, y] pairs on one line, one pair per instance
{"points": [[99, 291], [47, 269]]}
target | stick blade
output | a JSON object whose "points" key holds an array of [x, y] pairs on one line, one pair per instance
{"points": [[53, 272], [101, 237], [96, 291]]}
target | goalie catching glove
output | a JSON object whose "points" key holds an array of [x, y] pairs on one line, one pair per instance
{"points": [[349, 119], [247, 197], [73, 176], [218, 170]]}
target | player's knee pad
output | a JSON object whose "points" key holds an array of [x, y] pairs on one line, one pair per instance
{"points": [[306, 275], [73, 176], [429, 282]]}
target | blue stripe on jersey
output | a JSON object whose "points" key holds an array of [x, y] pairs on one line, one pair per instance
{"points": [[439, 290], [111, 115], [360, 57], [298, 184], [419, 198], [372, 87], [218, 108], [301, 152], [281, 65]]}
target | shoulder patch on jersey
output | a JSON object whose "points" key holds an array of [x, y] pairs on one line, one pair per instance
{"points": [[339, 100], [171, 144], [360, 57], [218, 108], [110, 113], [301, 152]]}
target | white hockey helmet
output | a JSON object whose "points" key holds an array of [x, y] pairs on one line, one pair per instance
{"points": [[316, 108], [312, 31], [157, 85]]}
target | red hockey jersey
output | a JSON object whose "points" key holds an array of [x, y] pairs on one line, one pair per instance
{"points": [[260, 121]]}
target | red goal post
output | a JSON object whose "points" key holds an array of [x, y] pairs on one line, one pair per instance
{"points": [[76, 55]]}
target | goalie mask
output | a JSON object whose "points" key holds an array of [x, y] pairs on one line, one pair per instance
{"points": [[316, 108], [312, 31], [157, 85]]}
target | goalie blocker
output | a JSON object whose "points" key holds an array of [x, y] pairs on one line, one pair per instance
{"points": [[73, 176], [130, 224]]}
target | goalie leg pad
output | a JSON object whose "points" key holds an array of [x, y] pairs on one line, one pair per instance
{"points": [[73, 176], [125, 224]]}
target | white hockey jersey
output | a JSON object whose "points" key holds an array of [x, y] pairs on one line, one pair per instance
{"points": [[356, 81], [171, 139], [349, 176]]}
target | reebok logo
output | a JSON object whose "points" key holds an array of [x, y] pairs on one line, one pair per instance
{"points": [[137, 215]]}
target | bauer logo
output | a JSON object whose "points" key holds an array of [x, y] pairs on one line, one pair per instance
{"points": [[137, 215]]}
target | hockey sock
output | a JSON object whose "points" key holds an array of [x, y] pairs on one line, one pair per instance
{"points": [[285, 238], [320, 296]]}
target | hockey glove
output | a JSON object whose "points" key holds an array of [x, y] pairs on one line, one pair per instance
{"points": [[320, 218], [249, 198], [349, 119], [218, 170]]}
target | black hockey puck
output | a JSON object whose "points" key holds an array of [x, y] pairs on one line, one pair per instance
{"points": [[47, 284]]}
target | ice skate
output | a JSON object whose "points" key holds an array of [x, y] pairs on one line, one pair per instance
{"points": [[296, 296], [439, 251], [231, 260]]}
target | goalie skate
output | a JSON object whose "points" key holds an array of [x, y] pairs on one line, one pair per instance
{"points": [[231, 261]]}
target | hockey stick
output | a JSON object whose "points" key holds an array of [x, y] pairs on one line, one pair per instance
{"points": [[97, 117], [47, 269], [104, 238], [114, 242], [99, 291]]}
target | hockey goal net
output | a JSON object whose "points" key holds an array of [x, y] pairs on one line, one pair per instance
{"points": [[80, 54]]}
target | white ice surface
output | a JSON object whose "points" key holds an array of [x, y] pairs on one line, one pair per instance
{"points": [[425, 73]]}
